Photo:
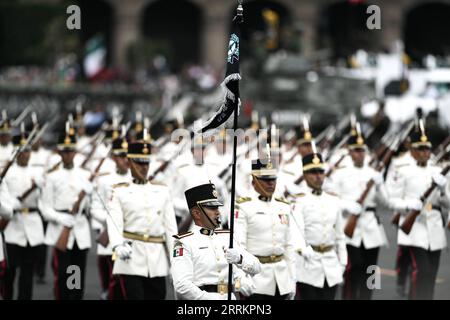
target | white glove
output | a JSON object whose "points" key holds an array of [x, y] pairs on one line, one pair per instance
{"points": [[233, 256], [309, 253], [414, 204], [39, 181], [247, 286], [66, 220], [440, 180], [378, 179], [123, 251], [88, 188], [353, 207], [16, 204]]}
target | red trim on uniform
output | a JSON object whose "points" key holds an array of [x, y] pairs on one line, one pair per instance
{"points": [[414, 273], [122, 287], [55, 265]]}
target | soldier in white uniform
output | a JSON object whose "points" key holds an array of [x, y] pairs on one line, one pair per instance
{"points": [[25, 230], [201, 257], [61, 191], [263, 227], [99, 214], [427, 237], [39, 161], [140, 230], [6, 147], [403, 260], [320, 239], [349, 182], [6, 213]]}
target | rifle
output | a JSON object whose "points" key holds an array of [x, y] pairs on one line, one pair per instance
{"points": [[91, 153], [16, 154], [39, 134], [324, 143], [4, 222], [63, 239], [442, 146], [442, 154], [33, 186], [353, 219], [412, 215], [381, 148], [21, 116], [396, 218], [161, 168]]}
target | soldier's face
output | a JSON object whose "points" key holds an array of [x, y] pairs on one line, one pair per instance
{"points": [[304, 149], [209, 218], [121, 163], [67, 157], [358, 156], [23, 158], [5, 139], [265, 187], [139, 170], [421, 155], [315, 178]]}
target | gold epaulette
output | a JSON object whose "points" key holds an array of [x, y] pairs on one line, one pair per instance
{"points": [[104, 174], [402, 165], [243, 199], [222, 231], [299, 195], [182, 166], [289, 172], [332, 193], [158, 183], [122, 184], [183, 235], [340, 167], [282, 200]]}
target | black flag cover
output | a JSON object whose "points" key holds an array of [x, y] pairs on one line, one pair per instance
{"points": [[230, 83]]}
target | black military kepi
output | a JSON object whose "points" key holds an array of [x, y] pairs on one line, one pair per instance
{"points": [[5, 127], [264, 169], [139, 152], [20, 140], [120, 147], [67, 141], [304, 136], [204, 195], [419, 139], [356, 142], [112, 134], [313, 162]]}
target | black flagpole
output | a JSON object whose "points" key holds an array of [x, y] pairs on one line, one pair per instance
{"points": [[240, 19]]}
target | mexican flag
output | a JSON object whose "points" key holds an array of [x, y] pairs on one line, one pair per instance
{"points": [[95, 57], [178, 252]]}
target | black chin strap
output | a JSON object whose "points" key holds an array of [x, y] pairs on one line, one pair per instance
{"points": [[258, 183], [209, 219]]}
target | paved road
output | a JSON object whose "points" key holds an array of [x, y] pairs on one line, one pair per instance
{"points": [[386, 262]]}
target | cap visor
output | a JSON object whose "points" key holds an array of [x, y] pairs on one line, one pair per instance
{"points": [[213, 204]]}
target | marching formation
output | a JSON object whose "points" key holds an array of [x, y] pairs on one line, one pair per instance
{"points": [[307, 215]]}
